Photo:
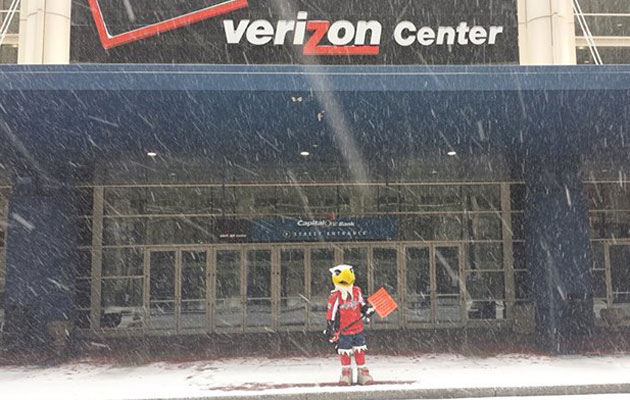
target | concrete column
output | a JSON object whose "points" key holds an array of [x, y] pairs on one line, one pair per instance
{"points": [[45, 32], [546, 32], [557, 245], [40, 264]]}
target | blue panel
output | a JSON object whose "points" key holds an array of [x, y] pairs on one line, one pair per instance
{"points": [[326, 78]]}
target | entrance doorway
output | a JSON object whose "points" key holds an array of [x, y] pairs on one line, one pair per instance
{"points": [[433, 287], [176, 289], [285, 287]]}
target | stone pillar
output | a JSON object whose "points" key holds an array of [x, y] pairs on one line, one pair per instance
{"points": [[546, 32], [45, 32], [40, 265], [557, 246]]}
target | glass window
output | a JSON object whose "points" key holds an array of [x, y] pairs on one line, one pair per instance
{"points": [[385, 261], [599, 283], [609, 224], [385, 269], [123, 262], [193, 275], [432, 198], [5, 8], [431, 227], [418, 266], [418, 302], [357, 257], [485, 256], [620, 268], [608, 196], [485, 227], [447, 270], [9, 53], [258, 288], [292, 287], [228, 281], [193, 290], [121, 292], [228, 308], [485, 285], [322, 259], [162, 275], [598, 255], [292, 273], [123, 231], [605, 25], [123, 201], [605, 6], [482, 197]]}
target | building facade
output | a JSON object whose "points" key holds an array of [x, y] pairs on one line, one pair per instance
{"points": [[212, 226]]}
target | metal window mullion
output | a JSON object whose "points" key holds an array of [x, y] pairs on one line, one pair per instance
{"points": [[433, 284], [508, 250], [608, 268], [370, 271], [97, 258], [400, 281], [4, 212], [146, 306], [275, 288], [307, 283], [463, 290], [243, 288], [178, 288], [370, 277], [211, 276]]}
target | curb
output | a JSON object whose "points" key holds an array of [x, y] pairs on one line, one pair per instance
{"points": [[453, 393]]}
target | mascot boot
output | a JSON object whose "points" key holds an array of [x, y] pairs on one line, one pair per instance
{"points": [[346, 376], [364, 377]]}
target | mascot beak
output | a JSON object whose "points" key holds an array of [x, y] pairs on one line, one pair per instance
{"points": [[345, 278]]}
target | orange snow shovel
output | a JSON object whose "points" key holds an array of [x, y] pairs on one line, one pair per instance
{"points": [[382, 303]]}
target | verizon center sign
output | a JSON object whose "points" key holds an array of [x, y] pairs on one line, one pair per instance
{"points": [[286, 32], [343, 37]]}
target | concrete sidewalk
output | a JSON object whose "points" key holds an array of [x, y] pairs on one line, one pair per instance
{"points": [[446, 393], [429, 376]]}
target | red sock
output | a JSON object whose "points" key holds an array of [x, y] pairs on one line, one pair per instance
{"points": [[345, 360], [359, 358]]}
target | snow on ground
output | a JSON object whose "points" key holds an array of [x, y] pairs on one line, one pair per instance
{"points": [[623, 396], [242, 376]]}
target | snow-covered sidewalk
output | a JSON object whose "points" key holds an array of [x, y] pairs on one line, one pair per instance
{"points": [[252, 377]]}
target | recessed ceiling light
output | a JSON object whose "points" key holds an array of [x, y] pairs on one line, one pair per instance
{"points": [[619, 25], [152, 154], [581, 48], [305, 153], [452, 153]]}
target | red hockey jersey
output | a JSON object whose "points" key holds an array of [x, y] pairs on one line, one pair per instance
{"points": [[346, 311]]}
